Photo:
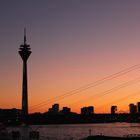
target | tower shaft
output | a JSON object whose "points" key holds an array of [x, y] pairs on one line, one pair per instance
{"points": [[24, 90]]}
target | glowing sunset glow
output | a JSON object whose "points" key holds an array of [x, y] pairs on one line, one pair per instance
{"points": [[74, 43]]}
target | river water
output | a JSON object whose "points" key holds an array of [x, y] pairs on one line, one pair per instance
{"points": [[78, 131]]}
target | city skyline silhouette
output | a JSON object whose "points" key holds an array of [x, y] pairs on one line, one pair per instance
{"points": [[85, 54]]}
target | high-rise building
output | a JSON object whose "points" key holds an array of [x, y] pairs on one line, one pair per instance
{"points": [[24, 52], [87, 110], [132, 108], [66, 110], [55, 108], [113, 109], [138, 107], [90, 109]]}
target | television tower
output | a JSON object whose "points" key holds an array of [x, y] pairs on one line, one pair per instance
{"points": [[24, 52]]}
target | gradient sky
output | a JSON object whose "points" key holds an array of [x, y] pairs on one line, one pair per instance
{"points": [[74, 43]]}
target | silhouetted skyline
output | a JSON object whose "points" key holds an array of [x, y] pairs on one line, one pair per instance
{"points": [[65, 115], [75, 43]]}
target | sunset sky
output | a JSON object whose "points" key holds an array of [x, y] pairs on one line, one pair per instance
{"points": [[74, 43]]}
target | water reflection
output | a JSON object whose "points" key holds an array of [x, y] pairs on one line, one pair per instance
{"points": [[24, 130], [77, 131]]}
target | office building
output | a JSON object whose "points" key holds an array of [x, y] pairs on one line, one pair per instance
{"points": [[87, 110], [138, 107], [66, 110], [113, 109], [132, 108], [55, 108]]}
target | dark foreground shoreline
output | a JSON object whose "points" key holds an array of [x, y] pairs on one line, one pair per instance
{"points": [[110, 138]]}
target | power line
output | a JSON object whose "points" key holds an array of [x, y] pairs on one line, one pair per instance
{"points": [[121, 99], [87, 86], [114, 89]]}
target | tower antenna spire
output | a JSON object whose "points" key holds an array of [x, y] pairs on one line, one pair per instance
{"points": [[24, 36]]}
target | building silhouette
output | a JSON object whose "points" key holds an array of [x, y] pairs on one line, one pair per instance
{"points": [[132, 108], [87, 110], [10, 115], [55, 108], [113, 109], [24, 52], [66, 110], [138, 107]]}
